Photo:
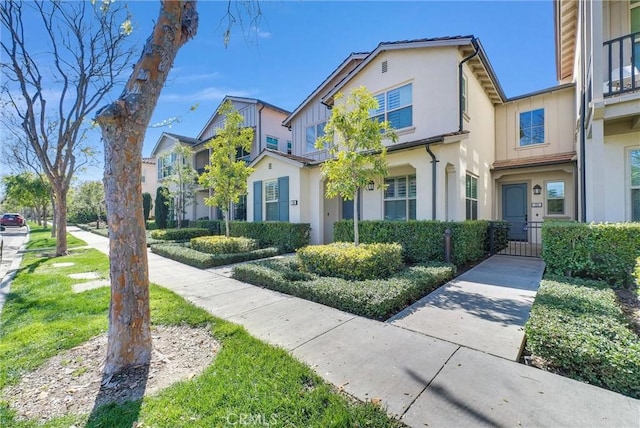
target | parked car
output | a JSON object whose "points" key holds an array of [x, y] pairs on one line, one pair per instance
{"points": [[12, 219]]}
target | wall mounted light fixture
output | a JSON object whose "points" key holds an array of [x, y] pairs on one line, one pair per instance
{"points": [[370, 185], [537, 189]]}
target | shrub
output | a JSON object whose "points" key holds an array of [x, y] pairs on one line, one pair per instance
{"points": [[286, 236], [146, 205], [161, 211], [605, 252], [213, 225], [173, 224], [421, 240], [637, 272], [376, 299], [178, 234], [347, 261], [578, 328], [223, 245], [184, 254], [151, 225]]}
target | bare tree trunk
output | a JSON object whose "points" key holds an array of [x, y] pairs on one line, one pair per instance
{"points": [[55, 216], [356, 235], [60, 220], [226, 220], [123, 126], [44, 216], [38, 215]]}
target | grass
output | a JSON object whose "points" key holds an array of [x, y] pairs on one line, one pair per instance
{"points": [[40, 239], [248, 381], [373, 298], [577, 327]]}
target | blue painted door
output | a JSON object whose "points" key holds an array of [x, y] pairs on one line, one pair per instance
{"points": [[514, 210]]}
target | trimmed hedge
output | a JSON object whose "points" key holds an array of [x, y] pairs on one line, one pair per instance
{"points": [[223, 245], [421, 240], [184, 254], [178, 234], [578, 328], [605, 252], [151, 225], [345, 260], [637, 272], [173, 224], [376, 299], [214, 226], [287, 237]]}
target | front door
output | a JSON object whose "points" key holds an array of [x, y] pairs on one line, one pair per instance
{"points": [[514, 210]]}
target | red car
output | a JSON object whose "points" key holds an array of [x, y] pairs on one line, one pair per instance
{"points": [[11, 219]]}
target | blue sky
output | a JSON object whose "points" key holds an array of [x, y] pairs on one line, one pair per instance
{"points": [[297, 44]]}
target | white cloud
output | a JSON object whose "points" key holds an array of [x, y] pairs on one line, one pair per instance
{"points": [[260, 33], [205, 94], [179, 77]]}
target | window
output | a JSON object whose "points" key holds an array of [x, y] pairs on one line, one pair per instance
{"points": [[532, 127], [312, 134], [242, 154], [272, 143], [634, 158], [400, 198], [555, 197], [289, 147], [471, 197], [463, 95], [143, 179], [271, 200], [395, 106], [165, 165]]}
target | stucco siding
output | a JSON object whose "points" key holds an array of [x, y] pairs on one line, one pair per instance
{"points": [[270, 168], [272, 127]]}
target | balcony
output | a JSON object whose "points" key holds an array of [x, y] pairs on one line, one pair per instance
{"points": [[621, 65]]}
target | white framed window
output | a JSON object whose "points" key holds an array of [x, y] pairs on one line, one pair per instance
{"points": [[312, 133], [554, 194], [634, 168], [272, 143], [464, 95], [289, 147], [271, 200], [531, 127], [400, 198], [395, 106], [471, 197], [166, 165]]}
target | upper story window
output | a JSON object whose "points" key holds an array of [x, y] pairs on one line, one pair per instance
{"points": [[312, 133], [532, 127], [395, 106], [289, 147], [555, 197], [471, 197], [166, 165], [400, 198], [634, 15], [634, 159], [272, 143], [242, 154], [464, 96]]}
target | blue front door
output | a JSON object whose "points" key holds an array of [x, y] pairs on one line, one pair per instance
{"points": [[514, 210]]}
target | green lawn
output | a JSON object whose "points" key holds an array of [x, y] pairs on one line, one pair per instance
{"points": [[248, 378]]}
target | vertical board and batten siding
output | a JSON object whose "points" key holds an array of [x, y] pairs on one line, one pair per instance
{"points": [[248, 111]]}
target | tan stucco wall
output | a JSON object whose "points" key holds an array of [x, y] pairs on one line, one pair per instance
{"points": [[272, 127], [150, 174], [559, 118]]}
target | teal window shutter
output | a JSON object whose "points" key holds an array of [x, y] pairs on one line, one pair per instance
{"points": [[283, 198], [257, 201]]}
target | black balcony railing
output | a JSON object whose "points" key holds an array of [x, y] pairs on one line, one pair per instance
{"points": [[622, 65]]}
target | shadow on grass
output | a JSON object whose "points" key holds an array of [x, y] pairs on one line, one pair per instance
{"points": [[120, 398]]}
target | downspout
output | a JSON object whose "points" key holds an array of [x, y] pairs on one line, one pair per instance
{"points": [[434, 162], [474, 42], [583, 177]]}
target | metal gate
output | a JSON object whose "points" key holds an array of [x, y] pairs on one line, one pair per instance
{"points": [[520, 238]]}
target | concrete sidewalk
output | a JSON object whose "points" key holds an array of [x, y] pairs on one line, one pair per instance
{"points": [[418, 378]]}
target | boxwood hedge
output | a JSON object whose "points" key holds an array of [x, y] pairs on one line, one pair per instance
{"points": [[184, 254], [421, 240], [578, 328], [178, 234], [605, 252], [286, 236], [347, 261], [377, 299], [223, 245]]}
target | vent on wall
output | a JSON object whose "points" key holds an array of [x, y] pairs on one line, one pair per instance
{"points": [[384, 66]]}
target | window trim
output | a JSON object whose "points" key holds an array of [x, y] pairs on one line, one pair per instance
{"points": [[465, 95], [470, 198], [315, 126], [270, 145], [384, 109], [407, 198], [544, 129], [266, 201], [563, 198]]}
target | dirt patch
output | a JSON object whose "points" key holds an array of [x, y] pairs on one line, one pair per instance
{"points": [[72, 382], [630, 304]]}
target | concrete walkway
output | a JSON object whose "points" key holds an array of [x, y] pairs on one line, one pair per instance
{"points": [[14, 240], [421, 379]]}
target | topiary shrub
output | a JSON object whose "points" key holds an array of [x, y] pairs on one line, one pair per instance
{"points": [[146, 205], [178, 234], [348, 261], [161, 212], [223, 245]]}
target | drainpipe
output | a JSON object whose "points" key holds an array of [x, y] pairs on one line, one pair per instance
{"points": [[583, 178], [474, 42], [434, 162]]}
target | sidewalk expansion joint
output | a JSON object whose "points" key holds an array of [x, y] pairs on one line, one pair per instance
{"points": [[257, 307], [323, 333], [429, 383]]}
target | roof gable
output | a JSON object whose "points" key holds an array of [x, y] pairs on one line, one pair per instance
{"points": [[168, 139], [291, 159]]}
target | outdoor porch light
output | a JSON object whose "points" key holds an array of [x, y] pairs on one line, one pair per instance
{"points": [[370, 185], [537, 189]]}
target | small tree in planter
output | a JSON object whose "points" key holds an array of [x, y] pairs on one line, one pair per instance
{"points": [[181, 184], [354, 140]]}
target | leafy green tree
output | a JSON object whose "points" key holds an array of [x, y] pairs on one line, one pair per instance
{"points": [[88, 201], [162, 208], [225, 174], [181, 185], [147, 203], [355, 143], [30, 191]]}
